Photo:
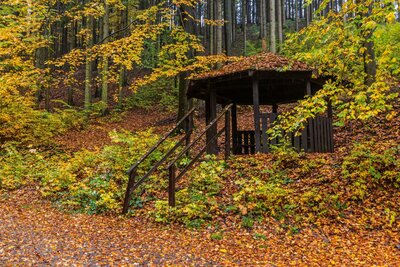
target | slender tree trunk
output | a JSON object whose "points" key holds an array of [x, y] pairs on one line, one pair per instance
{"points": [[234, 22], [104, 81], [228, 26], [122, 71], [244, 25], [188, 25], [398, 10], [279, 19], [263, 25], [212, 28], [369, 56], [272, 29], [219, 27], [41, 56], [88, 66], [296, 13]]}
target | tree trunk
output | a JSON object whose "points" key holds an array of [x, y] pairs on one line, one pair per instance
{"points": [[272, 29], [212, 28], [279, 19], [244, 25], [234, 22], [188, 24], [104, 78], [88, 66], [219, 27], [296, 13], [228, 26], [369, 56], [122, 71]]}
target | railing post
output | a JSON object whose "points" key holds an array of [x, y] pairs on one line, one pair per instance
{"points": [[128, 193], [171, 186], [227, 134], [188, 126]]}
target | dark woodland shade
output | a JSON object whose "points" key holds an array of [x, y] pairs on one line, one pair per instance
{"points": [[280, 79]]}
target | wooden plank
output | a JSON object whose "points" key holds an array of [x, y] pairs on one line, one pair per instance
{"points": [[312, 138], [322, 127], [252, 145], [256, 110], [320, 132], [171, 186], [323, 135], [304, 141], [275, 108], [240, 143], [326, 133], [331, 140], [129, 190], [296, 142], [227, 134], [211, 114], [308, 87], [264, 135], [234, 127], [316, 134], [246, 142], [273, 117], [329, 110]]}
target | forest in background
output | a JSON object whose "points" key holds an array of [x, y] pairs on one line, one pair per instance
{"points": [[88, 86], [65, 63]]}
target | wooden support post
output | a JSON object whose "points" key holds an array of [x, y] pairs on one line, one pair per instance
{"points": [[188, 130], [311, 121], [234, 127], [329, 111], [275, 108], [308, 88], [256, 109], [171, 186], [227, 134], [330, 127], [211, 114], [128, 193]]}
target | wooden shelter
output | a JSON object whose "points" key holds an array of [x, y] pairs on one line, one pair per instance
{"points": [[262, 79]]}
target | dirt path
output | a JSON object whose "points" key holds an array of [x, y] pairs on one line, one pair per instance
{"points": [[32, 233]]}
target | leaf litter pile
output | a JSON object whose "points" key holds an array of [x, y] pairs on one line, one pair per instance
{"points": [[34, 233], [363, 233]]}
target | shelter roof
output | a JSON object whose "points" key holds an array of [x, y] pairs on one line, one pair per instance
{"points": [[258, 62], [280, 80]]}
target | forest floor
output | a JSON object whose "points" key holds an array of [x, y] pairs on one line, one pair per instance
{"points": [[34, 233]]}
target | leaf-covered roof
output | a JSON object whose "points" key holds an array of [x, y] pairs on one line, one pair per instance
{"points": [[260, 62]]}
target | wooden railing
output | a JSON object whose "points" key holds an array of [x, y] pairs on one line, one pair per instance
{"points": [[172, 170], [132, 172], [317, 136]]}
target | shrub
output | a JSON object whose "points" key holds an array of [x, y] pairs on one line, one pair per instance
{"points": [[371, 165], [162, 92], [21, 122], [197, 203], [19, 168], [95, 181]]}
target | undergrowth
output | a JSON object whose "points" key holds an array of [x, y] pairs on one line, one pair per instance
{"points": [[292, 188], [87, 181]]}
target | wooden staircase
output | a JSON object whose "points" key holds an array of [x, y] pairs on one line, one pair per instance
{"points": [[185, 123]]}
